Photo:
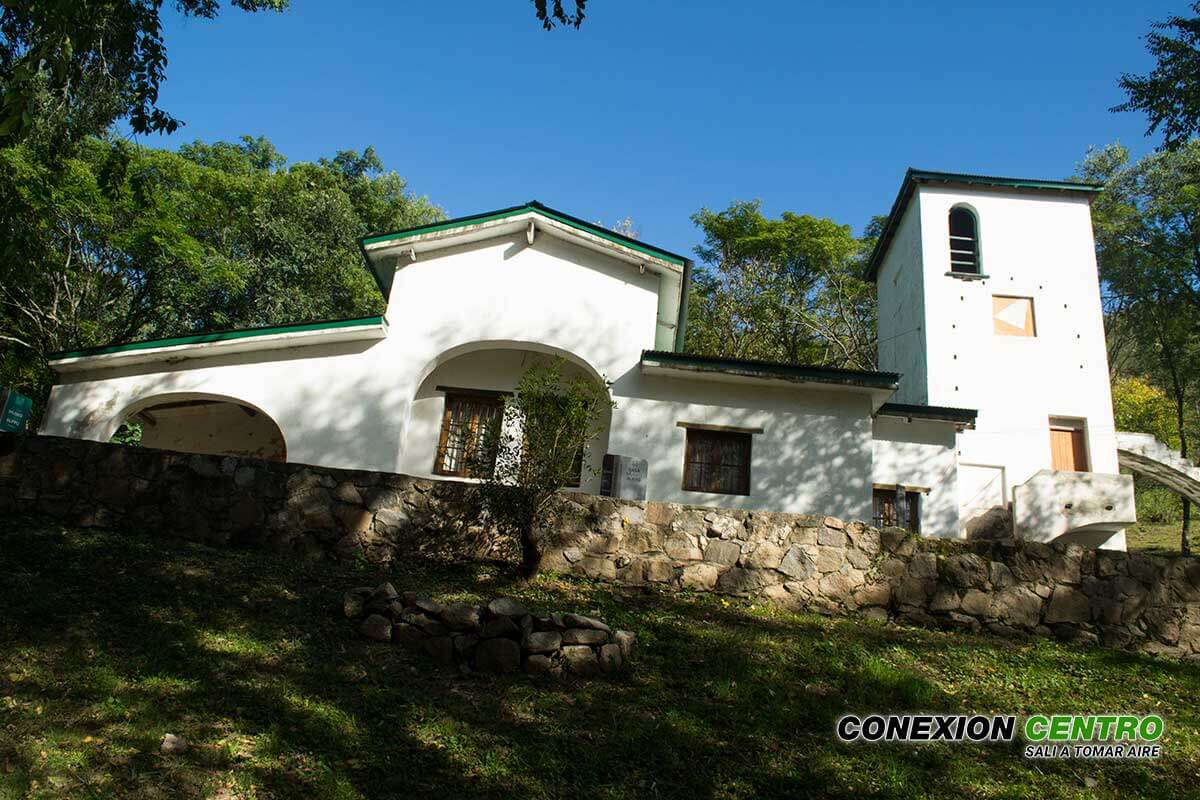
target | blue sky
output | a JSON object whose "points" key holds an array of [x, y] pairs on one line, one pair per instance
{"points": [[655, 109]]}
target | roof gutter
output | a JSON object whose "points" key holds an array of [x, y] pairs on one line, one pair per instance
{"points": [[685, 289]]}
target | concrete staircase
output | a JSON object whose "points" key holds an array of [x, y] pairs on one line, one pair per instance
{"points": [[1145, 455]]}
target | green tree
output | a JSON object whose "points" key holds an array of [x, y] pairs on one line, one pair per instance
{"points": [[76, 48], [538, 447], [1139, 405], [1147, 224], [1170, 94], [554, 12], [786, 289], [120, 242]]}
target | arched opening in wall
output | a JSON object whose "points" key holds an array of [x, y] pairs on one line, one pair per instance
{"points": [[205, 425], [463, 391], [964, 240]]}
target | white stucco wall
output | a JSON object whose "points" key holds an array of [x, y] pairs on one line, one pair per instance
{"points": [[348, 405], [920, 453], [1031, 245], [330, 401], [473, 317], [900, 295], [813, 456]]}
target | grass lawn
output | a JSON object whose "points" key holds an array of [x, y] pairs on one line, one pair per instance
{"points": [[109, 641], [1160, 538]]}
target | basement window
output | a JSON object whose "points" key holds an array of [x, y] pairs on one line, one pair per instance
{"points": [[466, 423], [896, 507], [717, 461], [964, 241]]}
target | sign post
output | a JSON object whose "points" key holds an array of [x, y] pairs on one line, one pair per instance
{"points": [[14, 411]]}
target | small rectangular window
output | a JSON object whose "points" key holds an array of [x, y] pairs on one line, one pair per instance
{"points": [[717, 462], [466, 422], [892, 508], [1013, 316]]}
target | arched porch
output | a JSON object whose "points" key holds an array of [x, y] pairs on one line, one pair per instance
{"points": [[465, 385], [205, 423]]}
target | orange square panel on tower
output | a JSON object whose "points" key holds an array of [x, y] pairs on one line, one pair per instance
{"points": [[1012, 316]]}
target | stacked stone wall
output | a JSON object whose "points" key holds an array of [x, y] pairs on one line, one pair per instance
{"points": [[809, 562]]}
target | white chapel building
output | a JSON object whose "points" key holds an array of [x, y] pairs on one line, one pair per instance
{"points": [[992, 390]]}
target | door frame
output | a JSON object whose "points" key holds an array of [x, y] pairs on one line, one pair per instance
{"points": [[1076, 425]]}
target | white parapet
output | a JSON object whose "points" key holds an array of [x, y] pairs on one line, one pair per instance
{"points": [[1089, 508]]}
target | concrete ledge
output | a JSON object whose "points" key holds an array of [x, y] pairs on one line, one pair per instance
{"points": [[1089, 507]]}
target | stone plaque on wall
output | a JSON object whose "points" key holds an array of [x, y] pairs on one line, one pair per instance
{"points": [[624, 477]]}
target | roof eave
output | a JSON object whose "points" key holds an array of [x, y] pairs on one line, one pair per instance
{"points": [[961, 418], [444, 234], [660, 362], [223, 343]]}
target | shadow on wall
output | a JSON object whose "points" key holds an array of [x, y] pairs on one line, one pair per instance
{"points": [[208, 424]]}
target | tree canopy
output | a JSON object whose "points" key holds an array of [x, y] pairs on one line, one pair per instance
{"points": [[1170, 94], [786, 289], [1147, 224], [120, 242]]}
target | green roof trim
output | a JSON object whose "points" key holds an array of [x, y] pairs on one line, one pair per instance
{"points": [[918, 176], [536, 207], [753, 368], [457, 222], [218, 336], [384, 282]]}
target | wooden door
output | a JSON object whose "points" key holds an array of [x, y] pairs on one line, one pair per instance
{"points": [[1067, 451]]}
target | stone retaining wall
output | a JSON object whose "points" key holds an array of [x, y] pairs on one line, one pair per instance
{"points": [[816, 563]]}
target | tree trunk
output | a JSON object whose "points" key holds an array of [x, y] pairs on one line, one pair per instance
{"points": [[1185, 546], [531, 551]]}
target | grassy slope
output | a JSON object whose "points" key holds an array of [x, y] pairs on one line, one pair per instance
{"points": [[108, 641], [1160, 538]]}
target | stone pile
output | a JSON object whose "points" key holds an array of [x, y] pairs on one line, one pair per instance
{"points": [[501, 636]]}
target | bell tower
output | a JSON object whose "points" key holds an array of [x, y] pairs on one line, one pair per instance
{"points": [[989, 299]]}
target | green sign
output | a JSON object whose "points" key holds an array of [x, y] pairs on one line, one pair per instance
{"points": [[14, 411]]}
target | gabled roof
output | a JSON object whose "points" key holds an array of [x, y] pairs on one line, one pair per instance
{"points": [[914, 177], [380, 250], [383, 277]]}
